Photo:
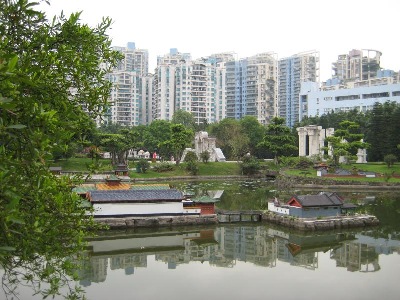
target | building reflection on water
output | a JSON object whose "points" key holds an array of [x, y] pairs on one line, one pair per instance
{"points": [[226, 245]]}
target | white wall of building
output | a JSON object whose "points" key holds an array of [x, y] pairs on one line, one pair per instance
{"points": [[278, 209], [114, 209], [316, 103]]}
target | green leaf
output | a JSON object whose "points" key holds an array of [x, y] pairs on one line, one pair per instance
{"points": [[7, 248], [17, 221], [5, 100], [17, 126], [12, 63]]}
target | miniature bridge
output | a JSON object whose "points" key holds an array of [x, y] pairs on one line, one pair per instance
{"points": [[239, 216]]}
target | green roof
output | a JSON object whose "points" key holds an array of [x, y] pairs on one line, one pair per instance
{"points": [[83, 189], [150, 187], [204, 199]]}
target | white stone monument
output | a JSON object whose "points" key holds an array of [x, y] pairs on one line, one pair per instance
{"points": [[312, 140], [202, 143]]}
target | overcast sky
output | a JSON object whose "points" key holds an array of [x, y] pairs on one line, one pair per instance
{"points": [[248, 27]]}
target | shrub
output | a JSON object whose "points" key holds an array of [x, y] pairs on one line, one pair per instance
{"points": [[192, 167], [143, 165], [205, 156], [304, 163], [163, 167], [390, 159], [287, 161], [250, 165], [191, 156]]}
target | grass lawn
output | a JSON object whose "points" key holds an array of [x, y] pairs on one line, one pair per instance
{"points": [[80, 164], [379, 168], [211, 168], [230, 168]]}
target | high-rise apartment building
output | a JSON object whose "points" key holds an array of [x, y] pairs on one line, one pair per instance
{"points": [[147, 99], [358, 65], [251, 87], [134, 59], [171, 84], [129, 91], [125, 98], [184, 84], [218, 105], [261, 86], [294, 70]]}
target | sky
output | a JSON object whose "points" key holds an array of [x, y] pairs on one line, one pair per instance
{"points": [[284, 27]]}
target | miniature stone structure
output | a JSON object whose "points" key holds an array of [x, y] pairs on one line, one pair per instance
{"points": [[202, 143], [361, 156], [312, 140]]}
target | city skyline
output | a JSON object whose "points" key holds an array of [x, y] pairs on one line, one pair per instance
{"points": [[285, 28]]}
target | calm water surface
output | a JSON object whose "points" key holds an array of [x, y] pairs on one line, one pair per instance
{"points": [[244, 262], [248, 261]]}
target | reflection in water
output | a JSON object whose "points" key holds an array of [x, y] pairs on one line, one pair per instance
{"points": [[225, 246]]}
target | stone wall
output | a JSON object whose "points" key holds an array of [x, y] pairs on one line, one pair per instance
{"points": [[321, 224], [133, 222]]}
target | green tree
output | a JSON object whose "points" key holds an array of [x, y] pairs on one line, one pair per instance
{"points": [[205, 156], [156, 133], [278, 139], [346, 141], [185, 118], [51, 75], [191, 156], [143, 165], [390, 159], [383, 130], [230, 138], [249, 165], [117, 145], [255, 133], [191, 163], [180, 139]]}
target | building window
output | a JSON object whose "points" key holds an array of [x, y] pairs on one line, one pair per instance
{"points": [[375, 95]]}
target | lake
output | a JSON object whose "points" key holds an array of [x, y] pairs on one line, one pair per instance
{"points": [[247, 260], [243, 262]]}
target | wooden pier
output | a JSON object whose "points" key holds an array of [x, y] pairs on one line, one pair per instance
{"points": [[239, 216]]}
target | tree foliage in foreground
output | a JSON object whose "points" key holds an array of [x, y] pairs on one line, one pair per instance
{"points": [[51, 75]]}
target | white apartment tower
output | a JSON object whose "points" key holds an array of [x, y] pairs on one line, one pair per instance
{"points": [[183, 84], [172, 69], [125, 98], [128, 93], [251, 87], [134, 59], [261, 87], [294, 70], [218, 87]]}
